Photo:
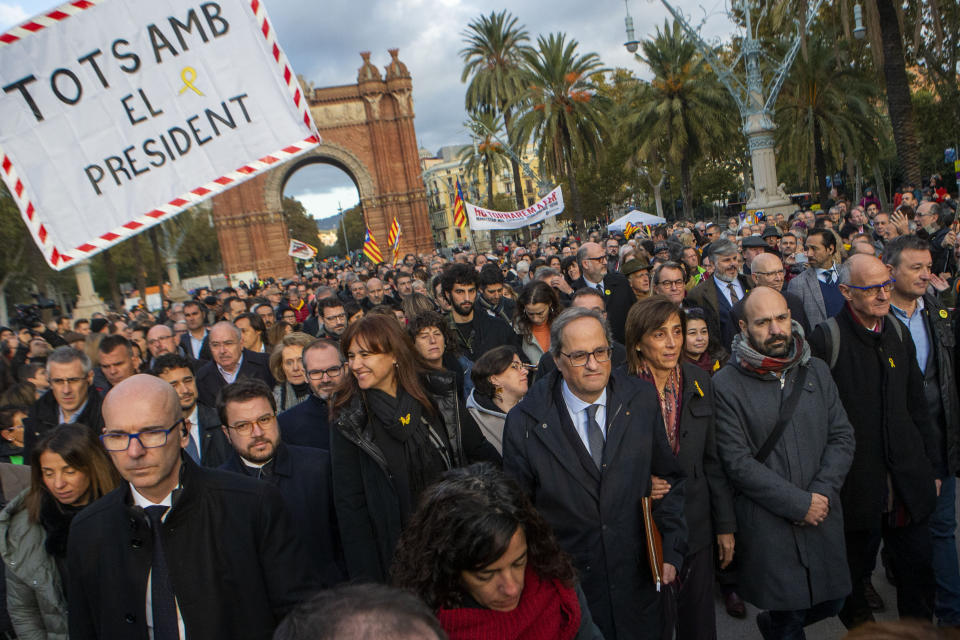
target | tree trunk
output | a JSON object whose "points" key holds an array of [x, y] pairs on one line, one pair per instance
{"points": [[881, 188], [488, 172], [157, 259], [517, 180], [111, 270], [820, 163], [141, 278], [898, 92], [686, 187]]}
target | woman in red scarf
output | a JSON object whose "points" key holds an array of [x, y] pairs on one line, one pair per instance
{"points": [[655, 333], [486, 562]]}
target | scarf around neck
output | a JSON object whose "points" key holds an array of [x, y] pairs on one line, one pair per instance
{"points": [[752, 360], [547, 611], [669, 402]]}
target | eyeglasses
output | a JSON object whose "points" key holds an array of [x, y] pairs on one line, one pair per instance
{"points": [[777, 273], [333, 372], [580, 358], [246, 428], [874, 289], [59, 382], [598, 258], [149, 438], [336, 318], [670, 284], [520, 366]]}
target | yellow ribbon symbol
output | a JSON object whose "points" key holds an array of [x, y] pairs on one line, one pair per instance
{"points": [[892, 366], [699, 390], [405, 420], [189, 75]]}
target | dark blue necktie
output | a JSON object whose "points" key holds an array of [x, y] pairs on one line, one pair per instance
{"points": [[162, 599]]}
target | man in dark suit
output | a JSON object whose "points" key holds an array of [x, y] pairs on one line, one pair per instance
{"points": [[207, 445], [306, 424], [614, 287], [195, 341], [717, 295], [817, 287], [194, 552], [248, 411], [767, 271], [583, 444], [230, 362]]}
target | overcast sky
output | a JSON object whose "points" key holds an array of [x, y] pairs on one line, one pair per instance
{"points": [[323, 41]]}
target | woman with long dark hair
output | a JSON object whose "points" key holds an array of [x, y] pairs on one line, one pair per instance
{"points": [[537, 306], [486, 562], [435, 343], [398, 425], [655, 333], [700, 347], [68, 471]]}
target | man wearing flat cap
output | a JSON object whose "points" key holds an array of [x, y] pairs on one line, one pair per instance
{"points": [[637, 272], [771, 235]]}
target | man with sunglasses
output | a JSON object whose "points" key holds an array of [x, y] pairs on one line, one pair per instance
{"points": [[307, 424], [891, 489], [248, 415], [583, 444], [179, 551]]}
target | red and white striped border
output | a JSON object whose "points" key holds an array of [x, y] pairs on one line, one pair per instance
{"points": [[58, 259]]}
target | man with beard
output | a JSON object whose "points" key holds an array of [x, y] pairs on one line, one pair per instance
{"points": [[817, 285], [248, 413], [718, 295], [333, 317], [476, 333], [207, 445], [491, 297], [786, 445], [306, 424]]}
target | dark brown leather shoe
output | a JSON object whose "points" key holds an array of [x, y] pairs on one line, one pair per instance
{"points": [[735, 606], [873, 598]]}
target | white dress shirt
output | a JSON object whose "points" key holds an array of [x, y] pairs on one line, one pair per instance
{"points": [[724, 289], [577, 409], [194, 431], [230, 378]]}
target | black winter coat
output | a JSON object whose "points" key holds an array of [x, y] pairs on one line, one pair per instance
{"points": [[599, 523], [881, 389], [214, 447], [210, 382], [488, 332], [236, 563], [45, 415], [306, 424], [366, 499], [618, 298]]}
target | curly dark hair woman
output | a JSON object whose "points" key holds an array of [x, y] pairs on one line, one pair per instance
{"points": [[479, 554]]}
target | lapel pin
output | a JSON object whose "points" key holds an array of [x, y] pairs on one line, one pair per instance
{"points": [[892, 366], [699, 390]]}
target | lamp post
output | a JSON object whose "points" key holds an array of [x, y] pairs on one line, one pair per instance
{"points": [[755, 98]]}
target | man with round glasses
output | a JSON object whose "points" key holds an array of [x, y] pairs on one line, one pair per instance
{"points": [[306, 424], [583, 444], [179, 551]]}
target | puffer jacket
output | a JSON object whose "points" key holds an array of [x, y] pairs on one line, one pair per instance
{"points": [[35, 594]]}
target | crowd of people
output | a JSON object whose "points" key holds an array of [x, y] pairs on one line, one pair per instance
{"points": [[581, 437]]}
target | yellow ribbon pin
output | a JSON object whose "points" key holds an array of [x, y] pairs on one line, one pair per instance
{"points": [[405, 420], [699, 390], [892, 366], [607, 291], [189, 75], [943, 313]]}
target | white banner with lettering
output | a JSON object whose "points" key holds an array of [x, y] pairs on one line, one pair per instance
{"points": [[119, 114], [482, 219]]}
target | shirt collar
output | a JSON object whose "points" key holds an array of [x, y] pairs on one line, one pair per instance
{"points": [[235, 371], [900, 312], [575, 404], [80, 409], [143, 502]]}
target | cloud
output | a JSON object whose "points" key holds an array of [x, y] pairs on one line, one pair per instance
{"points": [[11, 15]]}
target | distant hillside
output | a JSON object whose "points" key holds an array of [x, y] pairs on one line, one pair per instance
{"points": [[326, 224]]}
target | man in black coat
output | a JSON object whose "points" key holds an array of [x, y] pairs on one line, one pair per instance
{"points": [[587, 480], [195, 341], [230, 362], [207, 445], [615, 288], [891, 489], [247, 412], [476, 333], [719, 294], [218, 550], [71, 397], [307, 424]]}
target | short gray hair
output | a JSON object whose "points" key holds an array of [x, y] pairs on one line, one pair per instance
{"points": [[843, 273], [566, 317], [545, 272], [66, 355], [723, 248]]}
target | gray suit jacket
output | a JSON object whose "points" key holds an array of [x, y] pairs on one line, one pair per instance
{"points": [[806, 286]]}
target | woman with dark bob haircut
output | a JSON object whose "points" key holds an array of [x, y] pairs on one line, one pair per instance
{"points": [[655, 332], [479, 554], [537, 306], [397, 426], [500, 381]]}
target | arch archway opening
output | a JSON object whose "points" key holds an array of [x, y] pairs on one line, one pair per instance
{"points": [[315, 193]]}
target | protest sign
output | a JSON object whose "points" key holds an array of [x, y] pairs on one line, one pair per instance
{"points": [[116, 115], [302, 250], [481, 219]]}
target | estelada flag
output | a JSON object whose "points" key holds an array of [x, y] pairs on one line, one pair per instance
{"points": [[371, 249], [393, 237], [459, 213], [302, 250]]}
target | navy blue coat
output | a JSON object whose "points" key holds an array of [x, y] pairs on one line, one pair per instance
{"points": [[303, 477], [210, 382], [306, 424]]}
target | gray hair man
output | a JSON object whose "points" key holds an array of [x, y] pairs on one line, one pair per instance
{"points": [[230, 362], [718, 295]]}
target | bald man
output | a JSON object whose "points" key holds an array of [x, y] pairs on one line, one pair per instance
{"points": [[891, 490], [787, 483], [767, 270], [617, 295], [230, 362], [192, 552]]}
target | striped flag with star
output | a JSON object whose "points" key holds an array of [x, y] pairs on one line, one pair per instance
{"points": [[371, 249], [459, 212], [393, 238]]}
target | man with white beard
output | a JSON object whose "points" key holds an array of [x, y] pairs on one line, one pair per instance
{"points": [[718, 295]]}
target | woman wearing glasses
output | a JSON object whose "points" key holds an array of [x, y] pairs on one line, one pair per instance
{"points": [[655, 344], [286, 365], [398, 425], [537, 306], [500, 381], [68, 470]]}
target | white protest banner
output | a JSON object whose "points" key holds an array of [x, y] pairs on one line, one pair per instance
{"points": [[481, 219], [301, 250], [116, 115]]}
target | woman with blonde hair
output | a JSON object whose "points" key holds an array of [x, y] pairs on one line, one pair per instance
{"points": [[286, 365]]}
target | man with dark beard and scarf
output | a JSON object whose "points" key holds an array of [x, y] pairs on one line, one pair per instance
{"points": [[786, 446]]}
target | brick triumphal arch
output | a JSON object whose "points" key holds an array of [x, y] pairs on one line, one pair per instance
{"points": [[367, 131]]}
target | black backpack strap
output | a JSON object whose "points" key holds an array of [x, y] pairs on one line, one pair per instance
{"points": [[786, 412]]}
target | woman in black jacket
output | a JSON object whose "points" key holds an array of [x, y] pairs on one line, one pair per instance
{"points": [[397, 427]]}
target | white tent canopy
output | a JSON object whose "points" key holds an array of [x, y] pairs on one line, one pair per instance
{"points": [[636, 218]]}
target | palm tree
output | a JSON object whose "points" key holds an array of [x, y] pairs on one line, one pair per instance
{"points": [[487, 155], [825, 108], [683, 112], [563, 112], [493, 61]]}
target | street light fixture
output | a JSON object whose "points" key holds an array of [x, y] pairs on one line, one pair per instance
{"points": [[859, 31], [631, 44]]}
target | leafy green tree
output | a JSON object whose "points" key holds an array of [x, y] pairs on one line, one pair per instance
{"points": [[300, 224], [487, 156], [564, 114]]}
